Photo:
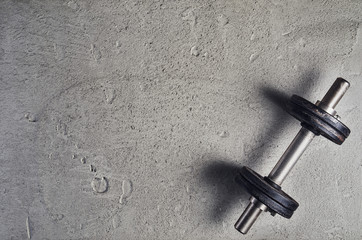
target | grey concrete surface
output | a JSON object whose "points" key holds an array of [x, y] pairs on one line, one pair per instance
{"points": [[129, 119]]}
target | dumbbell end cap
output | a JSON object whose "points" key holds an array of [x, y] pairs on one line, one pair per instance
{"points": [[335, 92], [248, 218]]}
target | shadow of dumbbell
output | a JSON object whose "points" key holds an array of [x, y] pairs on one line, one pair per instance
{"points": [[219, 173]]}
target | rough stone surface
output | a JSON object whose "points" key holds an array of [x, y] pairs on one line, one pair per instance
{"points": [[116, 82]]}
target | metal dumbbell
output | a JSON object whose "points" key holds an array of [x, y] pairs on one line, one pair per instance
{"points": [[316, 119]]}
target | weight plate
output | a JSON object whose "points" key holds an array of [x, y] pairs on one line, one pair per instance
{"points": [[317, 120], [274, 198]]}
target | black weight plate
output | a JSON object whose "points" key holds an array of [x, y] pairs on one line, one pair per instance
{"points": [[317, 120], [276, 193], [274, 198]]}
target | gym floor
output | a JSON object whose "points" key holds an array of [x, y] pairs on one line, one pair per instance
{"points": [[130, 119]]}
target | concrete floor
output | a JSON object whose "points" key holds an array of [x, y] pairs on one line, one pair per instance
{"points": [[130, 119]]}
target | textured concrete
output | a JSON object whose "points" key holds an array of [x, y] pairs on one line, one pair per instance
{"points": [[129, 119]]}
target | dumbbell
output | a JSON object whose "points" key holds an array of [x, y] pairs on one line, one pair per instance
{"points": [[316, 119]]}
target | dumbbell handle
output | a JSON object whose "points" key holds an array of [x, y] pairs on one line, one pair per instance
{"points": [[292, 154]]}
